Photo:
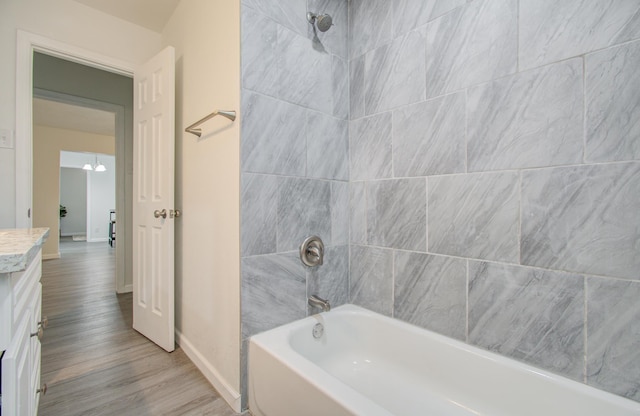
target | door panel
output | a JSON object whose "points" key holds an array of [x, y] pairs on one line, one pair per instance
{"points": [[153, 190]]}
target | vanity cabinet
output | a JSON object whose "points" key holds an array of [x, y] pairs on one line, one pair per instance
{"points": [[20, 322]]}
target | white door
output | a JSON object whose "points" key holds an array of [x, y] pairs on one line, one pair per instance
{"points": [[153, 182]]}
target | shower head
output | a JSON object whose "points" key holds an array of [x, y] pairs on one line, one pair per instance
{"points": [[322, 21]]}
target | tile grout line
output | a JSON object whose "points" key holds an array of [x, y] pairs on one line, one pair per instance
{"points": [[585, 329]]}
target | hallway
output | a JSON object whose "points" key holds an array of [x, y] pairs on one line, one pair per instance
{"points": [[93, 362]]}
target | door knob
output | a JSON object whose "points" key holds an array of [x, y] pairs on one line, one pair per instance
{"points": [[39, 334], [174, 213], [44, 323], [159, 214]]}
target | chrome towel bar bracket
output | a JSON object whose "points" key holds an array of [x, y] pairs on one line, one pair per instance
{"points": [[231, 115]]}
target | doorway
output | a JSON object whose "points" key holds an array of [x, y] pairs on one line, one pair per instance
{"points": [[71, 83]]}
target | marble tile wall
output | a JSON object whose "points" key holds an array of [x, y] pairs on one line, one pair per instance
{"points": [[294, 160], [494, 159]]}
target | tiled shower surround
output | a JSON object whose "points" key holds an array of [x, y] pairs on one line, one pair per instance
{"points": [[472, 166]]}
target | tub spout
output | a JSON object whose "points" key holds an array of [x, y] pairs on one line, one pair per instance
{"points": [[318, 302]]}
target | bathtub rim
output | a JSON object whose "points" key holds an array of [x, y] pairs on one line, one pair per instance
{"points": [[277, 343]]}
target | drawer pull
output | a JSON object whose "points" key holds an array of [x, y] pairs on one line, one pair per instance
{"points": [[38, 333], [42, 390], [44, 323]]}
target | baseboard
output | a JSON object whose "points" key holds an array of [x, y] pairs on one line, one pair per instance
{"points": [[72, 234], [51, 256], [126, 289], [230, 395], [98, 240]]}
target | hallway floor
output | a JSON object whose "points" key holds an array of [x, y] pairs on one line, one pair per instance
{"points": [[93, 362]]}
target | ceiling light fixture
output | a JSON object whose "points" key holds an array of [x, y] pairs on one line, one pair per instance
{"points": [[98, 166]]}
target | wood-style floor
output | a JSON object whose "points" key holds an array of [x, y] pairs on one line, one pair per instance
{"points": [[93, 362]]}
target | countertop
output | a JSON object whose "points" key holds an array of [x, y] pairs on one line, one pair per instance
{"points": [[18, 247]]}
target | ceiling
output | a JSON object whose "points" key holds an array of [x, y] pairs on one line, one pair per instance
{"points": [[152, 14], [73, 117]]}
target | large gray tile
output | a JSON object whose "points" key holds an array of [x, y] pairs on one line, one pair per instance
{"points": [[356, 88], [304, 209], [369, 25], [244, 373], [330, 280], [397, 213], [339, 213], [358, 213], [583, 219], [274, 292], [340, 79], [259, 53], [305, 74], [431, 292], [552, 30], [259, 213], [335, 39], [613, 109], [613, 336], [470, 45], [289, 13], [410, 14], [429, 137], [395, 73], [528, 314], [327, 147], [370, 147], [371, 278], [475, 215], [531, 119], [273, 134]]}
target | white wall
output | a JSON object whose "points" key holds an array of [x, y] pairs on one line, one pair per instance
{"points": [[206, 35], [65, 21], [73, 195], [101, 198]]}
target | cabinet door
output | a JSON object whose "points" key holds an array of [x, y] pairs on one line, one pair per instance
{"points": [[17, 396]]}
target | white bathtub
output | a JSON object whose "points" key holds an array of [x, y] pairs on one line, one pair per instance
{"points": [[368, 364]]}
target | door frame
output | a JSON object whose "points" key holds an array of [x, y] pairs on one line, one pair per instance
{"points": [[27, 43]]}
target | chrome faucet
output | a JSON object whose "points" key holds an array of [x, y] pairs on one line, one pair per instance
{"points": [[317, 302]]}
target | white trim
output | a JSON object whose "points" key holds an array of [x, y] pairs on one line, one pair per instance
{"points": [[229, 394], [126, 289], [51, 256]]}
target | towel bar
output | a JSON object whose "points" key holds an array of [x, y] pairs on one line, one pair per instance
{"points": [[231, 115]]}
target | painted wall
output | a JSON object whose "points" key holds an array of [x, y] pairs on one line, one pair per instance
{"points": [[206, 35], [495, 182], [294, 159], [101, 198], [66, 21], [73, 195], [47, 144]]}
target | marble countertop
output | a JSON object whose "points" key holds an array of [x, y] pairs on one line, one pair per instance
{"points": [[19, 246]]}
